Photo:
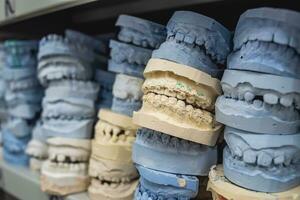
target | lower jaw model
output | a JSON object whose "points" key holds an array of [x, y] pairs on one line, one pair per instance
{"points": [[222, 189], [65, 172], [179, 100], [113, 174]]}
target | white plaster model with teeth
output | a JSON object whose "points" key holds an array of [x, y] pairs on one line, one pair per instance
{"points": [[65, 171], [111, 166], [253, 162], [58, 67], [259, 102], [38, 151], [179, 101], [128, 87], [222, 189]]}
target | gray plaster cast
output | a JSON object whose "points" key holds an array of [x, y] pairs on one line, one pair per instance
{"points": [[14, 148], [19, 127], [122, 52], [56, 45], [175, 180], [126, 68], [37, 132], [262, 179], [156, 150], [21, 53], [267, 40], [256, 148], [189, 55], [63, 67], [140, 32], [125, 106], [106, 80], [260, 103], [73, 89], [68, 108], [128, 87], [200, 42], [80, 129], [162, 190], [92, 42]]}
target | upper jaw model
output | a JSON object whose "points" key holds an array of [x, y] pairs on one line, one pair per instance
{"points": [[66, 169], [252, 161], [127, 94], [178, 100], [280, 34], [160, 185], [222, 189], [111, 168], [197, 41], [259, 103]]}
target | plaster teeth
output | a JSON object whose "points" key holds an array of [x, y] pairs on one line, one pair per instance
{"points": [[286, 100], [180, 95], [264, 159], [257, 103], [278, 160], [249, 96], [271, 98], [287, 160], [249, 157], [179, 36], [61, 158]]}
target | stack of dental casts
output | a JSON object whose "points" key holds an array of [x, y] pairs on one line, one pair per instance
{"points": [[66, 68], [176, 145], [113, 173], [3, 114], [260, 108], [23, 96]]}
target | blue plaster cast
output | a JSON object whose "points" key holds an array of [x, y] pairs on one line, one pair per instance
{"points": [[126, 68], [162, 152], [125, 106]]}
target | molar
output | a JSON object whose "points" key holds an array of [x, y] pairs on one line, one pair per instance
{"points": [[286, 100], [264, 159], [257, 103], [271, 98], [249, 157], [249, 96]]}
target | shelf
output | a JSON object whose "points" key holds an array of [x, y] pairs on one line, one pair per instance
{"points": [[24, 184], [97, 17]]}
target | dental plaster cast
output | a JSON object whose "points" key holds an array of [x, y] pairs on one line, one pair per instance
{"points": [[105, 79], [160, 185], [14, 148], [65, 172], [24, 103], [222, 189], [18, 126], [197, 41], [70, 99], [267, 40], [179, 100], [140, 32], [127, 58], [260, 103], [252, 161], [97, 45], [162, 152], [61, 57], [37, 147], [111, 168], [127, 91]]}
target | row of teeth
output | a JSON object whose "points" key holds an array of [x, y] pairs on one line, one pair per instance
{"points": [[148, 26], [65, 74], [70, 166], [130, 36], [111, 179], [253, 45], [60, 116], [64, 158], [180, 107], [265, 159], [284, 113], [249, 94], [195, 100], [26, 49], [121, 56], [65, 41], [19, 85], [76, 85], [200, 41], [266, 36], [107, 184], [158, 138], [111, 133]]}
